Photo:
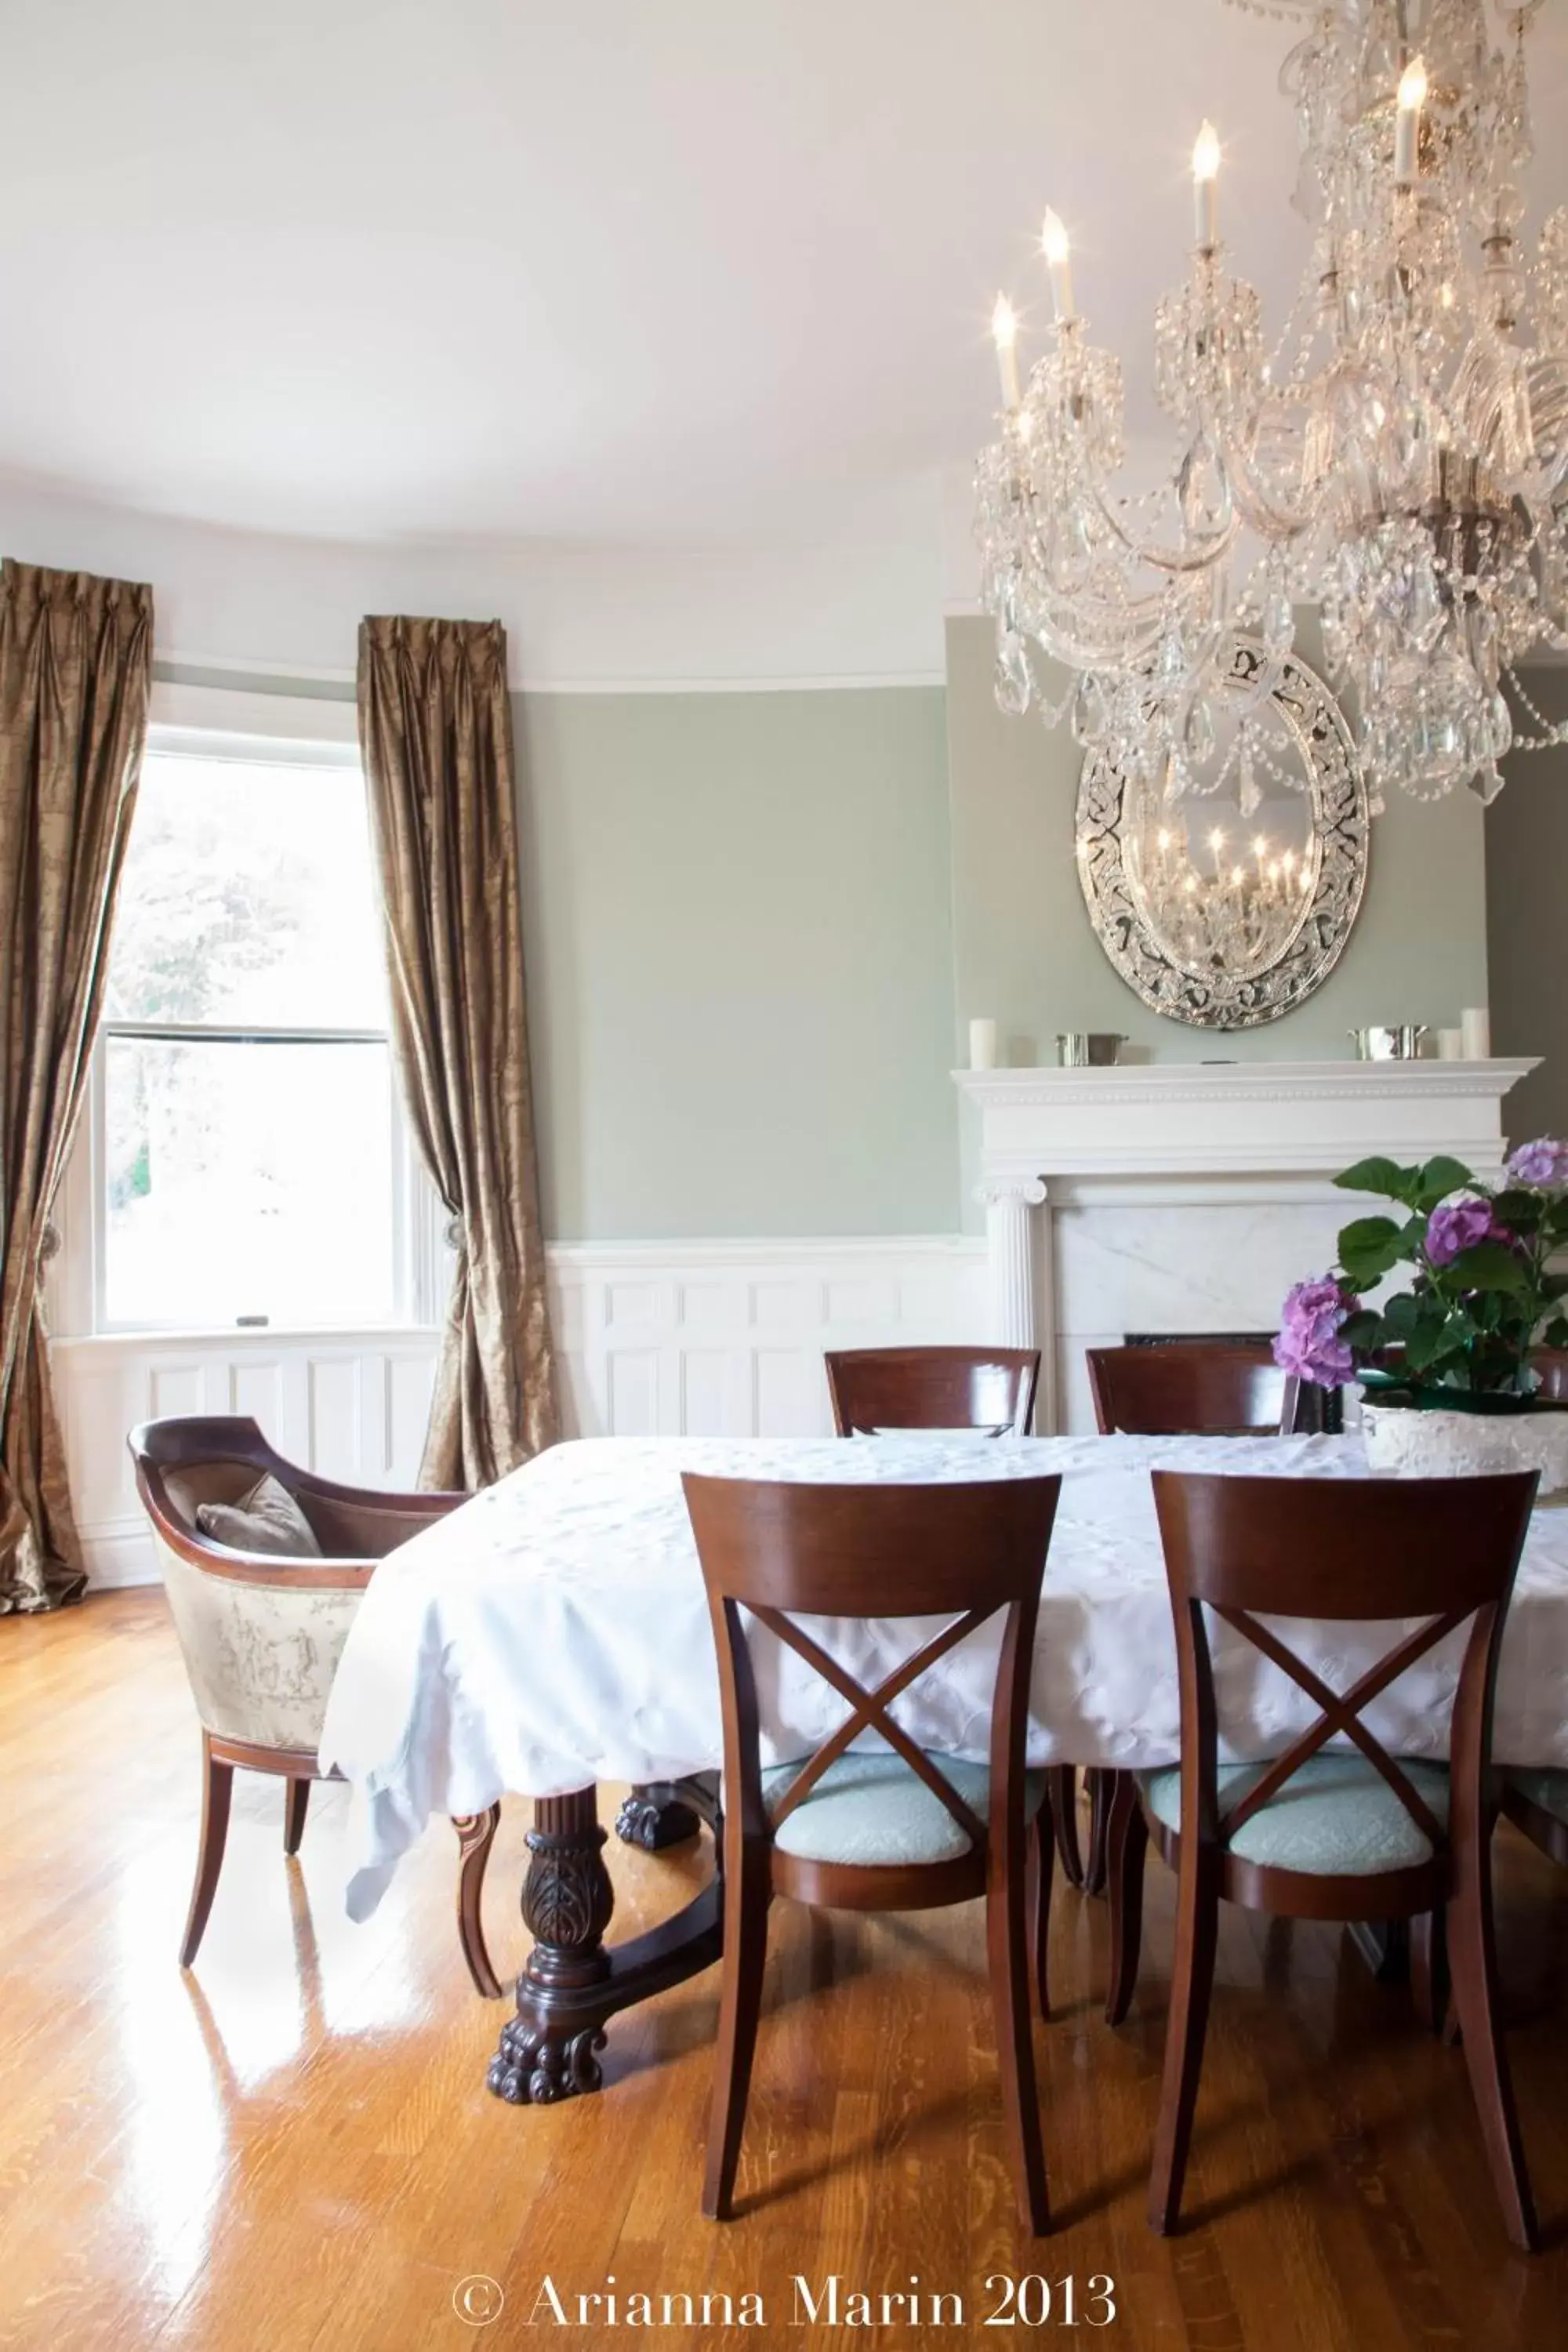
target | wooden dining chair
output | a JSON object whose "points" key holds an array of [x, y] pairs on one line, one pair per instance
{"points": [[895, 1829], [989, 1389], [1190, 1388], [262, 1632], [1313, 1834], [1180, 1388]]}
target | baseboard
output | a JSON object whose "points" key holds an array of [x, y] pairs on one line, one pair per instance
{"points": [[119, 1555]]}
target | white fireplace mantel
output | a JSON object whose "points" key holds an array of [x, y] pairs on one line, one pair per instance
{"points": [[1232, 1139]]}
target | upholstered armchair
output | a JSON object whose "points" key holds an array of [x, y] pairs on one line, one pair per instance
{"points": [[262, 1629]]}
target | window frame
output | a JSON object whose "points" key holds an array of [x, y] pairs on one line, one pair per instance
{"points": [[215, 724]]}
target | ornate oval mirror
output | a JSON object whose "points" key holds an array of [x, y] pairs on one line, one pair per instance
{"points": [[1224, 897]]}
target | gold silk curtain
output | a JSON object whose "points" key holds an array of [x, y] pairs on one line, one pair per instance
{"points": [[75, 668], [435, 726]]}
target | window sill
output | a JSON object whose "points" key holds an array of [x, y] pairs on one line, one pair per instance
{"points": [[151, 1337]]}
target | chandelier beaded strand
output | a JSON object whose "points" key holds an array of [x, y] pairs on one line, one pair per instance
{"points": [[1399, 460]]}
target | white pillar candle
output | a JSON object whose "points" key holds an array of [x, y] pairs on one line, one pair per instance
{"points": [[1476, 1031], [1058, 261], [983, 1045], [1450, 1044], [1205, 188], [1407, 121]]}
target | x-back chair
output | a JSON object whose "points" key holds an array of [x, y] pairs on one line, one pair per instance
{"points": [[1190, 1388], [864, 1830], [1313, 1834], [262, 1634], [989, 1389], [1180, 1388]]}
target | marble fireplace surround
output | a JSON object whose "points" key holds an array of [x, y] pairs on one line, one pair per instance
{"points": [[1183, 1198]]}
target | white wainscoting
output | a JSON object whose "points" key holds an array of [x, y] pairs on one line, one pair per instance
{"points": [[352, 1405], [694, 1339]]}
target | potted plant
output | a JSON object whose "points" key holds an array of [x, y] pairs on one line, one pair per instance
{"points": [[1444, 1360]]}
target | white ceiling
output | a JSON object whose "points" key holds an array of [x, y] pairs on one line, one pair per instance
{"points": [[644, 271]]}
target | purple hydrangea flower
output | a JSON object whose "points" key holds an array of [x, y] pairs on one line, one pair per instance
{"points": [[1457, 1225], [1544, 1163], [1308, 1343]]}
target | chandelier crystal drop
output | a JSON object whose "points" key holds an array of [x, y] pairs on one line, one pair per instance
{"points": [[1398, 459]]}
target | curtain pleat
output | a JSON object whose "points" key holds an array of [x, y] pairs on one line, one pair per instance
{"points": [[435, 725], [75, 669]]}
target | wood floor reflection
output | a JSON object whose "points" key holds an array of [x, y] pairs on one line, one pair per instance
{"points": [[292, 2147]]}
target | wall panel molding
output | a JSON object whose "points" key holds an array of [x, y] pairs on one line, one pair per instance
{"points": [[721, 1338]]}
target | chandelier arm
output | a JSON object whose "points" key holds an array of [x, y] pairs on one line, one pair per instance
{"points": [[1257, 508], [1201, 554]]}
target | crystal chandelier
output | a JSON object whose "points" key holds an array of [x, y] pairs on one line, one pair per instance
{"points": [[1399, 459]]}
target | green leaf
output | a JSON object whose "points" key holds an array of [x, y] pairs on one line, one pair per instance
{"points": [[1556, 1333], [1427, 1345], [1363, 1331], [1368, 1247], [1488, 1266], [1402, 1314], [1440, 1177], [1520, 1211], [1383, 1177]]}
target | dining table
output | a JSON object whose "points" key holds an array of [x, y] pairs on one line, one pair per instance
{"points": [[552, 1633]]}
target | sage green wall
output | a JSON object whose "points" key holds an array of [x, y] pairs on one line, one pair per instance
{"points": [[1527, 896], [1026, 954], [739, 961]]}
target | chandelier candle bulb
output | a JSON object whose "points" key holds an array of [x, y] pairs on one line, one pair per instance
{"points": [[983, 1045], [1005, 335], [1058, 261], [1205, 188], [1408, 124]]}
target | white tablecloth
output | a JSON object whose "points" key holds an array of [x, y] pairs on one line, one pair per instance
{"points": [[554, 1632]]}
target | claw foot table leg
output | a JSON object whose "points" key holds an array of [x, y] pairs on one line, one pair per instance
{"points": [[573, 1982], [661, 1814]]}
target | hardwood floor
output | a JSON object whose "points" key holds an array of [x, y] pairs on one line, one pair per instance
{"points": [[292, 2147]]}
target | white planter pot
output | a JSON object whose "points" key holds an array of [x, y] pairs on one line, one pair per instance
{"points": [[1465, 1445]]}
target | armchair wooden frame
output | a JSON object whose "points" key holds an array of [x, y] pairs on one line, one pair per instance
{"points": [[965, 1553], [1442, 1550], [356, 1527]]}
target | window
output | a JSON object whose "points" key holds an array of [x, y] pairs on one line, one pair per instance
{"points": [[250, 1163]]}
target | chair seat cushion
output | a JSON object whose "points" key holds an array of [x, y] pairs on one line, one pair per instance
{"points": [[872, 1807], [1335, 1817], [268, 1519], [1542, 1786]]}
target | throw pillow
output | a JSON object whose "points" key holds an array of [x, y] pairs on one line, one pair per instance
{"points": [[267, 1520]]}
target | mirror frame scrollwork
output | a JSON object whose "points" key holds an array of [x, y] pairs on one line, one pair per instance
{"points": [[1336, 793]]}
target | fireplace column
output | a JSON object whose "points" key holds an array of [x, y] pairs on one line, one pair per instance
{"points": [[1010, 1202]]}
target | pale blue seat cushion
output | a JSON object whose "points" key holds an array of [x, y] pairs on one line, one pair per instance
{"points": [[872, 1807], [1336, 1816], [1543, 1787]]}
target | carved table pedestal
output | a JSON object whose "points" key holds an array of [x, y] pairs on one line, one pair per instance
{"points": [[574, 1981]]}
